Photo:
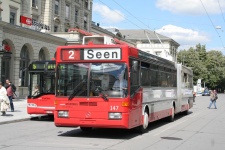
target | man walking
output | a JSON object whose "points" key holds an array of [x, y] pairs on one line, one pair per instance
{"points": [[213, 98], [9, 90]]}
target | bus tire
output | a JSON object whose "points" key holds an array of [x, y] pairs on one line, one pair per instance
{"points": [[171, 118], [86, 129], [143, 128]]}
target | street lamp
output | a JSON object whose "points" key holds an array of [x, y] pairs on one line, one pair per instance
{"points": [[218, 27]]}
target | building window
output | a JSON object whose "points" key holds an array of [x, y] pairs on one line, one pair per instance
{"points": [[67, 11], [42, 55], [76, 15], [66, 29], [85, 22], [34, 3], [56, 7], [13, 15], [55, 28], [86, 4], [24, 62], [12, 19]]}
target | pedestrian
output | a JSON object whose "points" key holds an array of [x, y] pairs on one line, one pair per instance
{"points": [[194, 95], [9, 90], [213, 99], [4, 100]]}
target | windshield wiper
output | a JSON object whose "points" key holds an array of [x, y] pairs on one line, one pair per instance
{"points": [[103, 96], [99, 90], [76, 89]]}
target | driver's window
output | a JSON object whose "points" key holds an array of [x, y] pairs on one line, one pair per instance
{"points": [[34, 78]]}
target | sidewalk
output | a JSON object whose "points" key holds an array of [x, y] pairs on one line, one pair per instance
{"points": [[20, 113]]}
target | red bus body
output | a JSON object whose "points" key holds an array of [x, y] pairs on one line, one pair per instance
{"points": [[141, 105], [41, 105]]}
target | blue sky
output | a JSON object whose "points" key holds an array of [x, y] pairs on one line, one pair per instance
{"points": [[188, 22]]}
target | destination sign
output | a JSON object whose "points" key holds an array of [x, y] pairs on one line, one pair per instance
{"points": [[36, 66], [102, 54], [91, 54]]}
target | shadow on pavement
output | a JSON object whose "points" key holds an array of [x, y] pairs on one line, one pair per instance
{"points": [[118, 133]]}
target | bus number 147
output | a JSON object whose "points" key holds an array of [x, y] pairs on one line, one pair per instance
{"points": [[114, 107]]}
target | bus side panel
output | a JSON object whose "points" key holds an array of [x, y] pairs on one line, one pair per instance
{"points": [[41, 105], [159, 101], [160, 114]]}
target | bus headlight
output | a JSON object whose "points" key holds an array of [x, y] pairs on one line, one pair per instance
{"points": [[63, 114], [115, 115]]}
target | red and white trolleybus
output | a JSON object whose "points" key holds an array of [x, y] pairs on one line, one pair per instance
{"points": [[150, 87]]}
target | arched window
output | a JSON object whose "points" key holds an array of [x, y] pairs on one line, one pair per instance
{"points": [[5, 62], [42, 55], [24, 62]]}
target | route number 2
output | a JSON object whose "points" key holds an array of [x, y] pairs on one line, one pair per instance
{"points": [[71, 54]]}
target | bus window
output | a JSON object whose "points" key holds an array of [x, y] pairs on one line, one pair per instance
{"points": [[90, 79], [45, 82]]}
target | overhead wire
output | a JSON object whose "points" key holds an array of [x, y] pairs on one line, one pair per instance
{"points": [[212, 24], [221, 10], [120, 15], [214, 27], [130, 13], [156, 34]]}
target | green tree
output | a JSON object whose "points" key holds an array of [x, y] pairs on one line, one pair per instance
{"points": [[215, 66], [209, 66], [191, 58], [201, 51]]}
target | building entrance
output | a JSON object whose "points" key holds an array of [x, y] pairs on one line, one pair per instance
{"points": [[5, 67]]}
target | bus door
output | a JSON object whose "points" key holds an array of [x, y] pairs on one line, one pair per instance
{"points": [[135, 92]]}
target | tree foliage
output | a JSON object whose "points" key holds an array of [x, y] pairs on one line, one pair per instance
{"points": [[208, 66]]}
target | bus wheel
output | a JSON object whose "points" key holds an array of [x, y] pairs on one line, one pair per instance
{"points": [[171, 118], [143, 128], [86, 129]]}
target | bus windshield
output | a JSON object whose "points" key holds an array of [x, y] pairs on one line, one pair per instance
{"points": [[92, 79], [41, 83]]}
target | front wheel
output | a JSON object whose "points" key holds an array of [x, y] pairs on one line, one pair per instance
{"points": [[143, 128]]}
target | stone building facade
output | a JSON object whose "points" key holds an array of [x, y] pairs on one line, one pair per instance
{"points": [[25, 33]]}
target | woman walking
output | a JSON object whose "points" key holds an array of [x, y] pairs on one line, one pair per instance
{"points": [[4, 100]]}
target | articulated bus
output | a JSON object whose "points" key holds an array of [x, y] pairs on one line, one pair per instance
{"points": [[41, 95], [155, 88]]}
